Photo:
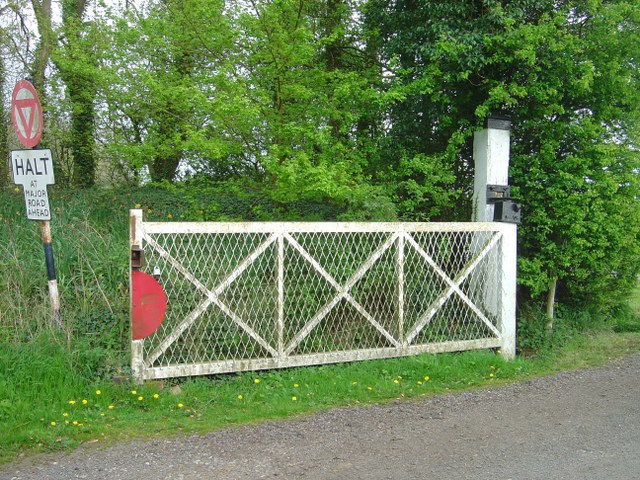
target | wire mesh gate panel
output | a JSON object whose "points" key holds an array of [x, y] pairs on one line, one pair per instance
{"points": [[250, 296]]}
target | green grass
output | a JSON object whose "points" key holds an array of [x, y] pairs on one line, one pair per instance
{"points": [[42, 370], [45, 380]]}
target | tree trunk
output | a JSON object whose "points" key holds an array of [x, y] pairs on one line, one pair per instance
{"points": [[551, 300], [42, 10]]}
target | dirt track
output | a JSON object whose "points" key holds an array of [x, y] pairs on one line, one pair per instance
{"points": [[574, 425]]}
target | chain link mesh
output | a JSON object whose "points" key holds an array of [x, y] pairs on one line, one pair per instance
{"points": [[245, 296]]}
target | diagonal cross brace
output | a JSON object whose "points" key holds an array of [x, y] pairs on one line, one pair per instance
{"points": [[454, 287], [212, 296], [342, 292]]}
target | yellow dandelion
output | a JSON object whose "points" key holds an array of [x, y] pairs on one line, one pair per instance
{"points": [[138, 205], [369, 388], [16, 189], [293, 399], [169, 216], [240, 397], [492, 367], [140, 398], [53, 424], [133, 392], [491, 375], [75, 422], [149, 211], [102, 414], [65, 414], [256, 381], [295, 385], [155, 395], [66, 422], [84, 402], [98, 392], [426, 378], [72, 402], [111, 407], [354, 383], [396, 381], [499, 351], [180, 405], [419, 382]]}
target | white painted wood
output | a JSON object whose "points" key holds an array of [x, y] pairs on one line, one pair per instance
{"points": [[241, 365], [508, 274], [314, 227], [281, 354], [137, 346], [491, 167]]}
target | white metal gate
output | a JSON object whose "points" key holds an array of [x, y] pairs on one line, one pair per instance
{"points": [[250, 296]]}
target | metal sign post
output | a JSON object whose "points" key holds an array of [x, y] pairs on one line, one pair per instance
{"points": [[33, 169]]}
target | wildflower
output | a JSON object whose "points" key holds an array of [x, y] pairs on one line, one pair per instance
{"points": [[65, 414], [98, 392], [72, 402], [426, 378], [256, 381], [396, 381], [499, 351], [354, 383], [110, 407], [140, 398], [75, 422], [169, 216], [102, 414], [295, 385], [137, 205], [491, 375], [369, 388], [84, 402], [180, 405], [53, 424], [419, 382], [293, 399], [149, 211], [16, 189], [133, 392], [240, 397], [155, 395], [66, 422]]}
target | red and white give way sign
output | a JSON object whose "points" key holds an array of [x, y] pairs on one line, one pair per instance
{"points": [[26, 114]]}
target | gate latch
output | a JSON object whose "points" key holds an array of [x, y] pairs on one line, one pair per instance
{"points": [[506, 210], [136, 256]]}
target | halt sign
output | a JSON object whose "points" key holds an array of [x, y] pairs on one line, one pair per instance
{"points": [[33, 169], [26, 114]]}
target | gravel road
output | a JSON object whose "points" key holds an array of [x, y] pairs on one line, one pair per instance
{"points": [[574, 425]]}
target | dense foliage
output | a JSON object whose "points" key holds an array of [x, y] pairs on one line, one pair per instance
{"points": [[353, 110]]}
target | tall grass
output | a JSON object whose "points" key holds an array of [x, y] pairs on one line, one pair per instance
{"points": [[46, 373]]}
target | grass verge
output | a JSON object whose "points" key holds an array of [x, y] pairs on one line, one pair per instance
{"points": [[50, 405]]}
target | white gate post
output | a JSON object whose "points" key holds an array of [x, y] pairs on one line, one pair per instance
{"points": [[507, 314], [135, 244], [491, 159]]}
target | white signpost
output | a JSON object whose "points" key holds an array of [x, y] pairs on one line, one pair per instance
{"points": [[33, 169]]}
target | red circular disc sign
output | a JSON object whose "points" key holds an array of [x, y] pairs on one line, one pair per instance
{"points": [[148, 305], [26, 114]]}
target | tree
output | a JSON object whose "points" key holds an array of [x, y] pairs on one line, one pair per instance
{"points": [[567, 72], [75, 58], [169, 90]]}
